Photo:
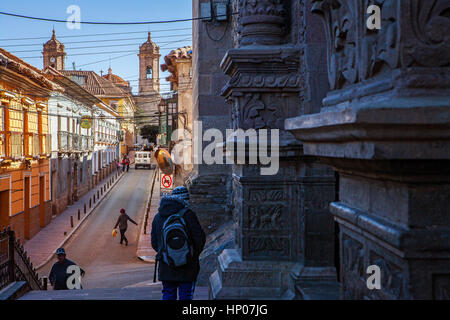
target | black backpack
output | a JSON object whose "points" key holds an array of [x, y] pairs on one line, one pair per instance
{"points": [[176, 247]]}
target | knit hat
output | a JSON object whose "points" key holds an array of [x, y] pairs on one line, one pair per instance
{"points": [[181, 192], [122, 210]]}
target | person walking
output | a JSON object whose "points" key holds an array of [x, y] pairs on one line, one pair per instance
{"points": [[58, 274], [177, 276], [122, 222], [124, 163], [128, 164]]}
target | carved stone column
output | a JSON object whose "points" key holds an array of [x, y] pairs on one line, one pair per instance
{"points": [[385, 129], [283, 227]]}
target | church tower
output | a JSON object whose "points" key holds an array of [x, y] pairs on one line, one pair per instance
{"points": [[148, 67], [54, 54]]}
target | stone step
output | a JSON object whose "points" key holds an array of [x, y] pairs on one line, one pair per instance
{"points": [[150, 292]]}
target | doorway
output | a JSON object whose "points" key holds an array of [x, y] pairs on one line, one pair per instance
{"points": [[26, 197], [42, 201], [4, 209], [69, 185]]}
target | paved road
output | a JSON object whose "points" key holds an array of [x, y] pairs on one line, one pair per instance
{"points": [[107, 263]]}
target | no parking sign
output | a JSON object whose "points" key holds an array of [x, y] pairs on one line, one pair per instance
{"points": [[166, 182]]}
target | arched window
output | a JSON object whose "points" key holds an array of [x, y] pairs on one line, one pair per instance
{"points": [[149, 72]]}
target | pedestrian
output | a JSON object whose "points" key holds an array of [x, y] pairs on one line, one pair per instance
{"points": [[122, 223], [118, 165], [177, 226], [128, 164], [58, 275], [124, 163]]}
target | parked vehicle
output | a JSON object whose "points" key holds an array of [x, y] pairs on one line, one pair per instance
{"points": [[143, 159]]}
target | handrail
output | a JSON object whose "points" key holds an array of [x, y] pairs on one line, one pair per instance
{"points": [[15, 264]]}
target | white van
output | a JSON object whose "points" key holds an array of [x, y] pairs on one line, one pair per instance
{"points": [[143, 159]]}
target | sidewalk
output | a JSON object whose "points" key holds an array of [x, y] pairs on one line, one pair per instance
{"points": [[43, 245], [145, 251]]}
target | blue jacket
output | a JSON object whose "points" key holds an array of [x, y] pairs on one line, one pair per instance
{"points": [[167, 206]]}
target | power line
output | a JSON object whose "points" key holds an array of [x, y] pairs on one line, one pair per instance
{"points": [[122, 56], [106, 23], [97, 34], [89, 53], [92, 47], [98, 40]]}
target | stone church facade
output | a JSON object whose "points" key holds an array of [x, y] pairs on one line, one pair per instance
{"points": [[364, 148]]}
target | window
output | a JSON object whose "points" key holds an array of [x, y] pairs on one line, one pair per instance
{"points": [[149, 72]]}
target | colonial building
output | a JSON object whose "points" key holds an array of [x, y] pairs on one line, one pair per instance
{"points": [[179, 63], [106, 125], [73, 145], [126, 109], [105, 113], [25, 146], [149, 85]]}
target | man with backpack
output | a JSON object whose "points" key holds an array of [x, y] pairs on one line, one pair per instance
{"points": [[178, 239]]}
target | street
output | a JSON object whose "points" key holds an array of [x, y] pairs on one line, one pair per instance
{"points": [[107, 263]]}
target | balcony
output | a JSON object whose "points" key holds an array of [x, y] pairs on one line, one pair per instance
{"points": [[72, 142]]}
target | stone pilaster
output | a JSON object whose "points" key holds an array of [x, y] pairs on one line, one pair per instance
{"points": [[283, 229], [385, 129]]}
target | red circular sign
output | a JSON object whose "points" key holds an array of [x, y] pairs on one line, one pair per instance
{"points": [[166, 181]]}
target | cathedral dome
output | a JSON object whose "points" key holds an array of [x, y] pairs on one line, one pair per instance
{"points": [[115, 79]]}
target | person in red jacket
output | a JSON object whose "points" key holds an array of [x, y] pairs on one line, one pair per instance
{"points": [[124, 163]]}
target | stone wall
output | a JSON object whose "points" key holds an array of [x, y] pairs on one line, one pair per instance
{"points": [[384, 129], [209, 185]]}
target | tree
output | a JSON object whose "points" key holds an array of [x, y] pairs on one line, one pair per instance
{"points": [[149, 132]]}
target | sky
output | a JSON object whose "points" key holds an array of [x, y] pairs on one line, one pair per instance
{"points": [[87, 49]]}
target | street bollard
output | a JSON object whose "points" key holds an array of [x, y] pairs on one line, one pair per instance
{"points": [[98, 194], [84, 208], [94, 197], [71, 221], [79, 211], [101, 191]]}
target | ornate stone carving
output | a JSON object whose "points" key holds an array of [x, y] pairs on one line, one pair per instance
{"points": [[264, 246], [413, 33], [266, 195], [392, 278], [256, 114], [266, 217], [262, 21], [352, 268]]}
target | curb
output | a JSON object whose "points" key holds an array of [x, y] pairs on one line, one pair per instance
{"points": [[81, 221], [148, 259]]}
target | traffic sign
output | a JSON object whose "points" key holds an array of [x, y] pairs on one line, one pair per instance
{"points": [[166, 183]]}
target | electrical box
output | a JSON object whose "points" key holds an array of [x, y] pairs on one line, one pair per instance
{"points": [[205, 9], [221, 11]]}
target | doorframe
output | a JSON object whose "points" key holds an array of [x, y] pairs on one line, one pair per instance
{"points": [[8, 216], [42, 198], [27, 222]]}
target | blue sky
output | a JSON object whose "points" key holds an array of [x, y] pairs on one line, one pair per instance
{"points": [[124, 64]]}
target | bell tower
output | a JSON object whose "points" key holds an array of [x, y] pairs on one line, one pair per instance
{"points": [[148, 67], [54, 53]]}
